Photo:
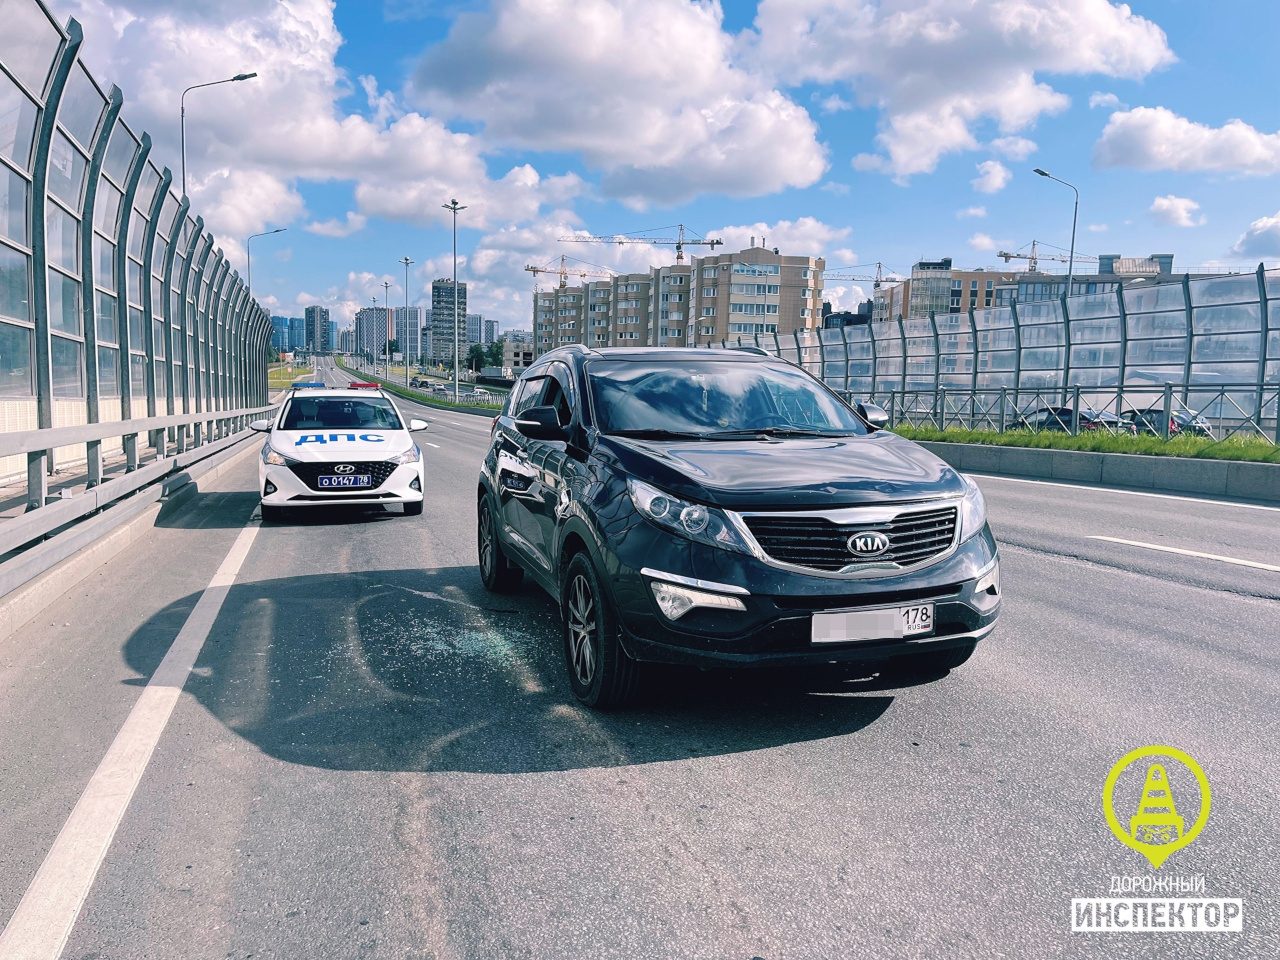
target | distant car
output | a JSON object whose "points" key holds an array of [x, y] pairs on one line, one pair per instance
{"points": [[415, 382], [1059, 419], [332, 445], [1151, 422]]}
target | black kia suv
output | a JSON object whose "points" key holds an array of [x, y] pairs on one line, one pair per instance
{"points": [[723, 507]]}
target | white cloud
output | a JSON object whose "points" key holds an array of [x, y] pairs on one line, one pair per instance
{"points": [[345, 299], [1262, 239], [844, 256], [971, 212], [839, 189], [1097, 228], [1176, 211], [1015, 148], [647, 91], [844, 296], [833, 104], [980, 241], [1155, 138], [993, 176], [936, 70], [1105, 100], [338, 228], [805, 236]]}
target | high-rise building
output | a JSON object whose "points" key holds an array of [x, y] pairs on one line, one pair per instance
{"points": [[490, 332], [710, 299], [333, 335], [445, 323], [347, 340], [317, 319], [409, 334], [280, 334], [297, 333], [374, 327], [475, 323]]}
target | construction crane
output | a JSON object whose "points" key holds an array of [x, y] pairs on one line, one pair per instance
{"points": [[1033, 257], [678, 241], [563, 271], [841, 275]]}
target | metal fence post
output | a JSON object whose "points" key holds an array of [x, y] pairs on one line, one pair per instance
{"points": [[1168, 411], [1075, 410], [1004, 399]]}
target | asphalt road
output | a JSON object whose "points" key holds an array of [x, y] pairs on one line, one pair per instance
{"points": [[375, 758]]}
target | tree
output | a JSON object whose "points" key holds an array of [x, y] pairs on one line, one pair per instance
{"points": [[393, 346], [475, 357], [493, 354]]}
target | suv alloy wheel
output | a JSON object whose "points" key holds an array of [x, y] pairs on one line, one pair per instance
{"points": [[601, 673]]}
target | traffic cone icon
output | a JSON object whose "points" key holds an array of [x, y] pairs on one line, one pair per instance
{"points": [[1157, 820]]}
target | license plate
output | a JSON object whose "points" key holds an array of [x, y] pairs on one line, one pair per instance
{"points": [[887, 623], [359, 480]]}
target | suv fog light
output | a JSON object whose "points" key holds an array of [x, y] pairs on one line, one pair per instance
{"points": [[675, 602], [990, 583]]}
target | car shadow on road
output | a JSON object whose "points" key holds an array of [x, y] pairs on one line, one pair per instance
{"points": [[419, 670]]}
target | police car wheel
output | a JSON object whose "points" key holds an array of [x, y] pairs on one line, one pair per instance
{"points": [[272, 514], [413, 509], [497, 573]]}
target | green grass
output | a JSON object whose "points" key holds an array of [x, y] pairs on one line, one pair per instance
{"points": [[281, 375], [1232, 448], [417, 396]]}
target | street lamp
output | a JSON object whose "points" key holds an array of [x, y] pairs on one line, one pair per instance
{"points": [[248, 256], [373, 320], [183, 101], [1071, 259], [455, 207], [405, 346]]}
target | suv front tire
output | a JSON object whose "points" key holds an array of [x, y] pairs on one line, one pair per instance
{"points": [[601, 672]]}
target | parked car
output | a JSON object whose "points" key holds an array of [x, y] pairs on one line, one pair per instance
{"points": [[1059, 419], [720, 508], [1151, 422]]}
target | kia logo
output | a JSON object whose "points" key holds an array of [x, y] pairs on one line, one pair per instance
{"points": [[868, 544], [344, 468]]}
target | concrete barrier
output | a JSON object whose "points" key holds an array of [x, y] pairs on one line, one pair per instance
{"points": [[1219, 478]]}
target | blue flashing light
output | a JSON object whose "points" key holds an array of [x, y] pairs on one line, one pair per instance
{"points": [[309, 384]]}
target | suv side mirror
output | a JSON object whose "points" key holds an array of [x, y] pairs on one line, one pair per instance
{"points": [[872, 415], [261, 426], [542, 423]]}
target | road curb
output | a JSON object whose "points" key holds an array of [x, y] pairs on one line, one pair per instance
{"points": [[120, 526], [1236, 479]]}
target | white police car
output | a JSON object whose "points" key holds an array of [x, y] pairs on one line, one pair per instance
{"points": [[330, 446]]}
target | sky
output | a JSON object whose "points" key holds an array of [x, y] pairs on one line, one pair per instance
{"points": [[859, 131]]}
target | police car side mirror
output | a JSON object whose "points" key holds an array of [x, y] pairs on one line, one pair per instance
{"points": [[872, 415], [541, 423], [261, 426], [415, 425]]}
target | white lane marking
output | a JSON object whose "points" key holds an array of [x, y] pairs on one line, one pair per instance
{"points": [[427, 443], [1127, 493], [39, 928], [1190, 553]]}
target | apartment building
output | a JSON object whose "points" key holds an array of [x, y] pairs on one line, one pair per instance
{"points": [[317, 321], [710, 299], [409, 331], [374, 327], [444, 322]]}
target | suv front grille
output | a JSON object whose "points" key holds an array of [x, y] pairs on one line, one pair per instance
{"points": [[378, 470], [822, 544]]}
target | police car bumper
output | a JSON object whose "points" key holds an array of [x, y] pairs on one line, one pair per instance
{"points": [[283, 487]]}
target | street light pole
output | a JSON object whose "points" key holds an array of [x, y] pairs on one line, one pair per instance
{"points": [[405, 346], [183, 102], [453, 206], [1071, 259], [374, 319], [248, 256], [388, 328]]}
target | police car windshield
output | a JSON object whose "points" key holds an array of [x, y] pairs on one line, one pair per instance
{"points": [[326, 413]]}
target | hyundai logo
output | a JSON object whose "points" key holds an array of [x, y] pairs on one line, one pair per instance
{"points": [[868, 544], [344, 468]]}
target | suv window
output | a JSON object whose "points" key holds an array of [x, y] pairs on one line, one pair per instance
{"points": [[526, 395], [559, 394]]}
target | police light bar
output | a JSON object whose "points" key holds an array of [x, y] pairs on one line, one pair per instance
{"points": [[315, 385], [364, 386]]}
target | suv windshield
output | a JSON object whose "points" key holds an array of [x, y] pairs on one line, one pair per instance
{"points": [[713, 398], [323, 413]]}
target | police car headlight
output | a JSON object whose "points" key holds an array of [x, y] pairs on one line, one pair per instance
{"points": [[269, 456], [412, 455]]}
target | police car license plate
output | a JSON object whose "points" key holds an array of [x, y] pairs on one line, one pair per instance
{"points": [[358, 480], [888, 623]]}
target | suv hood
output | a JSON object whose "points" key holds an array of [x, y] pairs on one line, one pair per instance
{"points": [[787, 473], [327, 446]]}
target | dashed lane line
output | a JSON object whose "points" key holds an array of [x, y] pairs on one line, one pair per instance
{"points": [[39, 928]]}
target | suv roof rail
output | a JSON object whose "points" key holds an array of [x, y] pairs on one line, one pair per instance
{"points": [[758, 351]]}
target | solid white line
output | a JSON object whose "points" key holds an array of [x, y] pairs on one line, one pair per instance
{"points": [[39, 928], [1190, 553], [1127, 493]]}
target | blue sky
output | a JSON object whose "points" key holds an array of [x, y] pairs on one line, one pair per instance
{"points": [[863, 132]]}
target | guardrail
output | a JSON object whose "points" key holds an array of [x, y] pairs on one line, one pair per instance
{"points": [[210, 431], [493, 401], [1218, 412]]}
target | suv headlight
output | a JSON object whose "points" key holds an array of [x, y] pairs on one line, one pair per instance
{"points": [[693, 521], [269, 456], [412, 455], [973, 510]]}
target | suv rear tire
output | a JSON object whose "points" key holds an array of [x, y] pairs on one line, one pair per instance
{"points": [[931, 664], [498, 573], [601, 673]]}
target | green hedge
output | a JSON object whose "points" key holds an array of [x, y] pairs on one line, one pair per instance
{"points": [[1232, 448]]}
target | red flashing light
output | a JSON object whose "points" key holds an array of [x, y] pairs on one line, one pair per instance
{"points": [[364, 386]]}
